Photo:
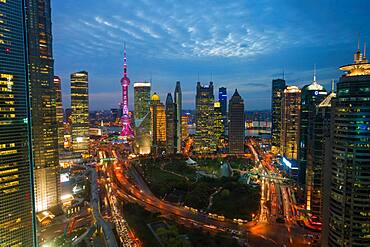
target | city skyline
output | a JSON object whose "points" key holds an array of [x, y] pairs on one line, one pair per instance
{"points": [[250, 45]]}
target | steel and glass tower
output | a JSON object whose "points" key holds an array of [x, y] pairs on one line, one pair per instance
{"points": [[59, 112], [178, 109], [237, 124], [311, 96], [290, 117], [218, 123], [126, 132], [142, 117], [349, 208], [222, 98], [17, 224], [278, 86], [204, 141], [170, 124], [158, 117], [80, 112], [43, 104]]}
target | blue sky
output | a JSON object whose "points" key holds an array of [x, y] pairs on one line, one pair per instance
{"points": [[243, 44]]}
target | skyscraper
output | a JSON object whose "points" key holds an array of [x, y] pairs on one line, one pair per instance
{"points": [[290, 117], [178, 109], [59, 112], [204, 141], [170, 124], [318, 150], [311, 95], [350, 190], [184, 127], [278, 86], [222, 98], [43, 103], [17, 226], [218, 123], [158, 117], [237, 124], [80, 112], [142, 117]]}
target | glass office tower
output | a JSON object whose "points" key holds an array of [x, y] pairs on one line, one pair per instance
{"points": [[278, 86], [17, 226], [43, 103], [80, 112], [349, 207], [236, 124]]}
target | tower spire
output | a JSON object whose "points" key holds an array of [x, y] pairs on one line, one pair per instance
{"points": [[124, 60], [332, 85], [364, 56], [358, 42], [314, 73]]}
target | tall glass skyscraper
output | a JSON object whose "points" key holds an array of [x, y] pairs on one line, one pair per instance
{"points": [[80, 112], [222, 98], [311, 96], [142, 117], [178, 110], [278, 86], [17, 224], [290, 117], [59, 112], [218, 124], [158, 114], [350, 178], [170, 124], [204, 141], [43, 102], [236, 124]]}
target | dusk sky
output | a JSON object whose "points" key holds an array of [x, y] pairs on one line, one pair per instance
{"points": [[244, 44]]}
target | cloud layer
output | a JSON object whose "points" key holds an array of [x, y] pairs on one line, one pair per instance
{"points": [[243, 44]]}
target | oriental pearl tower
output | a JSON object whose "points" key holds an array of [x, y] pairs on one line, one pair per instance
{"points": [[126, 133]]}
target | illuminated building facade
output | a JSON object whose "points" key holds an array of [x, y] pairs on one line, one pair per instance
{"points": [[218, 123], [318, 155], [142, 117], [184, 127], [278, 86], [204, 141], [290, 117], [43, 104], [17, 225], [170, 124], [59, 112], [158, 117], [80, 112], [349, 197], [178, 110], [222, 98], [236, 124], [311, 95]]}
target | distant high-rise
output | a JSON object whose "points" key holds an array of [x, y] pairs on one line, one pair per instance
{"points": [[43, 104], [178, 109], [170, 124], [318, 156], [349, 197], [158, 117], [311, 95], [278, 86], [222, 98], [290, 117], [204, 141], [236, 124], [80, 112], [184, 127], [218, 123], [17, 213], [59, 112], [142, 117]]}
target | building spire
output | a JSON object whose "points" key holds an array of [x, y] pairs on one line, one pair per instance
{"points": [[364, 56], [124, 60], [358, 42], [314, 74], [332, 86]]}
